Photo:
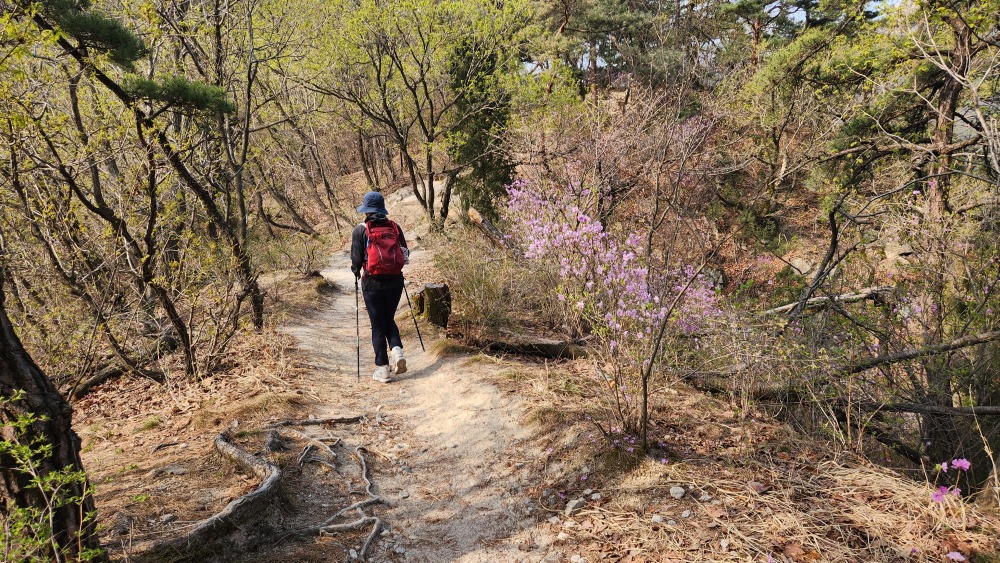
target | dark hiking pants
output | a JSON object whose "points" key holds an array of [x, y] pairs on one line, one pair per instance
{"points": [[381, 304]]}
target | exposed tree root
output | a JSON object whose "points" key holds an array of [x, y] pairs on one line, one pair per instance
{"points": [[305, 455], [318, 443], [245, 508], [317, 421], [244, 523], [327, 527]]}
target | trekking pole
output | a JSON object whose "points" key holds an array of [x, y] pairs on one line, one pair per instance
{"points": [[414, 317], [357, 324]]}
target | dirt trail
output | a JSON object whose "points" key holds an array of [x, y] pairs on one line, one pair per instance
{"points": [[452, 449]]}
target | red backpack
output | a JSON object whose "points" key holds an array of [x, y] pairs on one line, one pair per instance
{"points": [[385, 256]]}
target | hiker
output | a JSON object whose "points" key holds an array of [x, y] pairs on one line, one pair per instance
{"points": [[379, 249]]}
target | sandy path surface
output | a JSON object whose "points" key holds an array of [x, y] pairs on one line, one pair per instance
{"points": [[452, 452]]}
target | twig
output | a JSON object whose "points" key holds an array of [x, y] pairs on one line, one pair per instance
{"points": [[964, 342], [163, 445]]}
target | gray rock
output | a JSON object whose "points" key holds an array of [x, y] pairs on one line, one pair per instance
{"points": [[404, 494], [595, 496], [588, 491], [895, 250], [686, 514], [168, 470], [554, 520], [671, 522], [705, 497], [563, 536], [657, 519], [677, 492], [168, 518], [573, 506], [577, 559], [802, 266], [400, 550], [353, 553]]}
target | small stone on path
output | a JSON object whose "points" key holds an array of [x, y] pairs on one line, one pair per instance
{"points": [[657, 519], [686, 514], [671, 522], [677, 492], [574, 506], [705, 497], [595, 496]]}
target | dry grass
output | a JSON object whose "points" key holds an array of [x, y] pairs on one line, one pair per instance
{"points": [[148, 447], [754, 488], [444, 348], [830, 511]]}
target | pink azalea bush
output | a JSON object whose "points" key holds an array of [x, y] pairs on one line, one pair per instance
{"points": [[609, 286]]}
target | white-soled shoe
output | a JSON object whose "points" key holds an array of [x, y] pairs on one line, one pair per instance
{"points": [[382, 374], [397, 361]]}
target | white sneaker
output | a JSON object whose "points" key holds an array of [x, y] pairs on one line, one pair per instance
{"points": [[382, 374], [397, 361]]}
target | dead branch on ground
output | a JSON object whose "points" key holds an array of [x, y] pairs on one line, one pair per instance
{"points": [[317, 421]]}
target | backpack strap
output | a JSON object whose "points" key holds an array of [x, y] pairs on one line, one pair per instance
{"points": [[368, 241]]}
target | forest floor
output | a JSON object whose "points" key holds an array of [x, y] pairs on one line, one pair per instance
{"points": [[476, 457]]}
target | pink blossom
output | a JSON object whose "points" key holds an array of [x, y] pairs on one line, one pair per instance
{"points": [[943, 466], [955, 556], [938, 495], [961, 463]]}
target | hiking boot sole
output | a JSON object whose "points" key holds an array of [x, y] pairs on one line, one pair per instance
{"points": [[401, 366]]}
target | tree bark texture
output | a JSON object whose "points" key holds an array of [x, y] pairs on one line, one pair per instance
{"points": [[19, 373], [433, 301]]}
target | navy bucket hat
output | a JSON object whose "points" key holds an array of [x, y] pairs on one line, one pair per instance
{"points": [[373, 202]]}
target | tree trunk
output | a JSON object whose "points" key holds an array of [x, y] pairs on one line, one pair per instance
{"points": [[18, 373], [434, 302], [939, 432]]}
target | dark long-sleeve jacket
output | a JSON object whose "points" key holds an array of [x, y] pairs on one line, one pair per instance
{"points": [[359, 256]]}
